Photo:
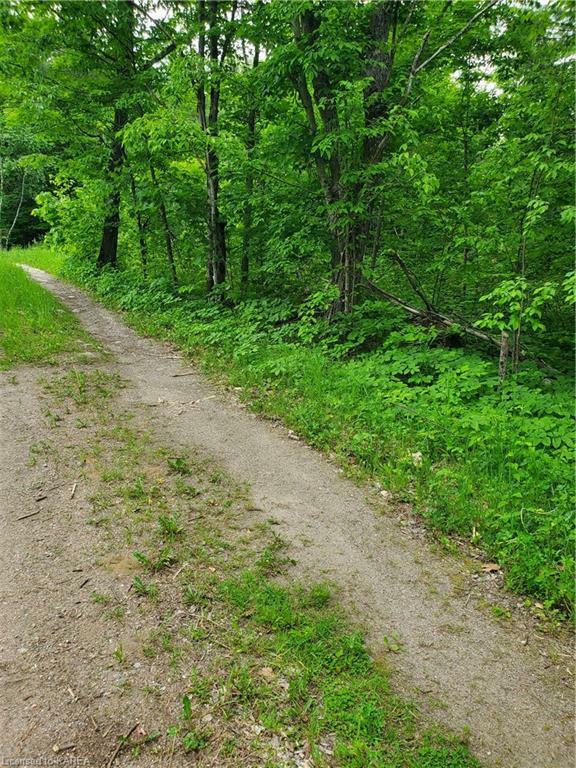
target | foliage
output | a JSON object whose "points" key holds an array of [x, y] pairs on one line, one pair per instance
{"points": [[515, 308]]}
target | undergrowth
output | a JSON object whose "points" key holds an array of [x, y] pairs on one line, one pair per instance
{"points": [[490, 464]]}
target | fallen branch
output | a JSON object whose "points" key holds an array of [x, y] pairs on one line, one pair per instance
{"points": [[412, 279], [30, 514], [431, 314], [123, 742]]}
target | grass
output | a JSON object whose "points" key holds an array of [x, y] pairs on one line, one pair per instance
{"points": [[34, 326], [39, 256], [265, 671]]}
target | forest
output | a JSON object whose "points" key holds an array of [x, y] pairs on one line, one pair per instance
{"points": [[359, 212]]}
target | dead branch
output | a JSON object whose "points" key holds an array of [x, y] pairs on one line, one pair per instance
{"points": [[431, 315], [412, 279], [123, 742]]}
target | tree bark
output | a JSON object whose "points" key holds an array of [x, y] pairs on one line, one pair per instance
{"points": [[108, 253], [216, 224], [141, 228], [247, 229], [18, 209], [306, 29], [122, 31], [349, 238], [208, 118]]}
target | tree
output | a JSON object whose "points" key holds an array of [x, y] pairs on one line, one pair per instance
{"points": [[215, 35], [387, 35]]}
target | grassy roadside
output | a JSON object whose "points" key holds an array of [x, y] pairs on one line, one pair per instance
{"points": [[34, 326], [39, 256], [255, 673], [491, 466]]}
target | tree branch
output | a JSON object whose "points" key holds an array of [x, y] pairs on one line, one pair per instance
{"points": [[166, 51], [458, 35], [412, 279], [436, 317]]}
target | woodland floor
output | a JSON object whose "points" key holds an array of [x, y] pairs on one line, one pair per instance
{"points": [[79, 668]]}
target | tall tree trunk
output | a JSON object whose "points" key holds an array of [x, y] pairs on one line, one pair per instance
{"points": [[125, 70], [217, 252], [349, 239], [141, 228], [247, 233], [165, 224], [321, 101], [216, 224], [18, 209], [108, 253]]}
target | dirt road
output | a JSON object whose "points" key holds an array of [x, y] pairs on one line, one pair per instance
{"points": [[504, 681]]}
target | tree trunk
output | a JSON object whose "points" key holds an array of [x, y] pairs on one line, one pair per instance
{"points": [[108, 253], [141, 228], [247, 233], [18, 209], [165, 224], [216, 224], [217, 255]]}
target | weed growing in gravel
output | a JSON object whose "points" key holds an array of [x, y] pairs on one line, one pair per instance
{"points": [[179, 465], [100, 598], [144, 589], [170, 526], [117, 613]]}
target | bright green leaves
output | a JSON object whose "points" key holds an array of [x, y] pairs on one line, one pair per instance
{"points": [[517, 305]]}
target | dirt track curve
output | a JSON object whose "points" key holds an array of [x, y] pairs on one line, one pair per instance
{"points": [[504, 681]]}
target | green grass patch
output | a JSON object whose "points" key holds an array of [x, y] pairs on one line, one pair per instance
{"points": [[34, 326], [332, 684], [39, 256]]}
